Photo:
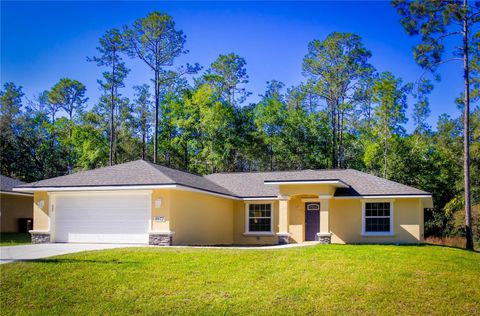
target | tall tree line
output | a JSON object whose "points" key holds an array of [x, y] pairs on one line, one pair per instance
{"points": [[345, 115], [437, 21]]}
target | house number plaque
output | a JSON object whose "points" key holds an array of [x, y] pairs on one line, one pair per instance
{"points": [[160, 219]]}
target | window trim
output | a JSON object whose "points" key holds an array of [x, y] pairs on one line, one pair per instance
{"points": [[247, 217], [392, 229]]}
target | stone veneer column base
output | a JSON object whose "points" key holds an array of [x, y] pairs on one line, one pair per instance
{"points": [[40, 237], [160, 239], [283, 238], [324, 238]]}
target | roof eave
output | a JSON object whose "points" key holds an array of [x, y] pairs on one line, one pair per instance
{"points": [[384, 196], [15, 193], [86, 188], [337, 183]]}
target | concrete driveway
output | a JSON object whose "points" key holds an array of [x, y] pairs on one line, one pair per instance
{"points": [[32, 252]]}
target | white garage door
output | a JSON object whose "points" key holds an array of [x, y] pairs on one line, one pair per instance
{"points": [[102, 218]]}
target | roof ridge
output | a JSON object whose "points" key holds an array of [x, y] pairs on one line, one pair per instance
{"points": [[154, 166], [157, 166], [277, 171], [170, 168]]}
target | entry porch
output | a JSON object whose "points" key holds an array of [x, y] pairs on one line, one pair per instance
{"points": [[304, 218]]}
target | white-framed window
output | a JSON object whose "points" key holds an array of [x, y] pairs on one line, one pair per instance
{"points": [[259, 218], [377, 217]]}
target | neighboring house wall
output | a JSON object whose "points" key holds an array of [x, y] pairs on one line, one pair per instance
{"points": [[13, 207], [346, 222], [239, 228], [200, 219]]}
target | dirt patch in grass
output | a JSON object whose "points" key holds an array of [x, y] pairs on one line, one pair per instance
{"points": [[458, 242]]}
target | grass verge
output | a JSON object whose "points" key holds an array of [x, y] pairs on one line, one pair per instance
{"points": [[338, 279]]}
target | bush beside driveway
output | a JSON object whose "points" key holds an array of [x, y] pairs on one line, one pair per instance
{"points": [[12, 239]]}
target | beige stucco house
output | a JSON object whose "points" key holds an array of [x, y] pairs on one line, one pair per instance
{"points": [[140, 202], [16, 208]]}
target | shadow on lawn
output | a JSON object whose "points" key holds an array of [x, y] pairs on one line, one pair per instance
{"points": [[440, 245], [476, 250], [453, 247]]}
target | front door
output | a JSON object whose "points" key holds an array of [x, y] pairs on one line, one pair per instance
{"points": [[312, 221]]}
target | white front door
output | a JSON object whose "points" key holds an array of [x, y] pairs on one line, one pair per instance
{"points": [[102, 218]]}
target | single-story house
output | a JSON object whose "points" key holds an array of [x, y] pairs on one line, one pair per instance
{"points": [[16, 208], [141, 202]]}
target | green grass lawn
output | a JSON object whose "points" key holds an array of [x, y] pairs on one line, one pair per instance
{"points": [[339, 279], [12, 239]]}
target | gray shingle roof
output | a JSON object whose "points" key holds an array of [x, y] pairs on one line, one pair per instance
{"points": [[242, 184], [6, 183], [245, 184], [134, 173], [252, 184]]}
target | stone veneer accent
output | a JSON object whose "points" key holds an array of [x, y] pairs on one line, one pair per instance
{"points": [[40, 238], [324, 238], [283, 239], [160, 239]]}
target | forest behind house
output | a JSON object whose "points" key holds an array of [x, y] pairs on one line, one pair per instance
{"points": [[345, 114]]}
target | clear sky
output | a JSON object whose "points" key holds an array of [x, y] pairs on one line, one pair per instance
{"points": [[42, 42]]}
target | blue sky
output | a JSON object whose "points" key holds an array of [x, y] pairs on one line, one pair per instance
{"points": [[42, 42]]}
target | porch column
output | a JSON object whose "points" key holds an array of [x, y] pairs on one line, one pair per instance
{"points": [[324, 236], [283, 216]]}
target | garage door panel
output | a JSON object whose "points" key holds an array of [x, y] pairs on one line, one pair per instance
{"points": [[107, 238], [102, 218], [92, 227]]}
